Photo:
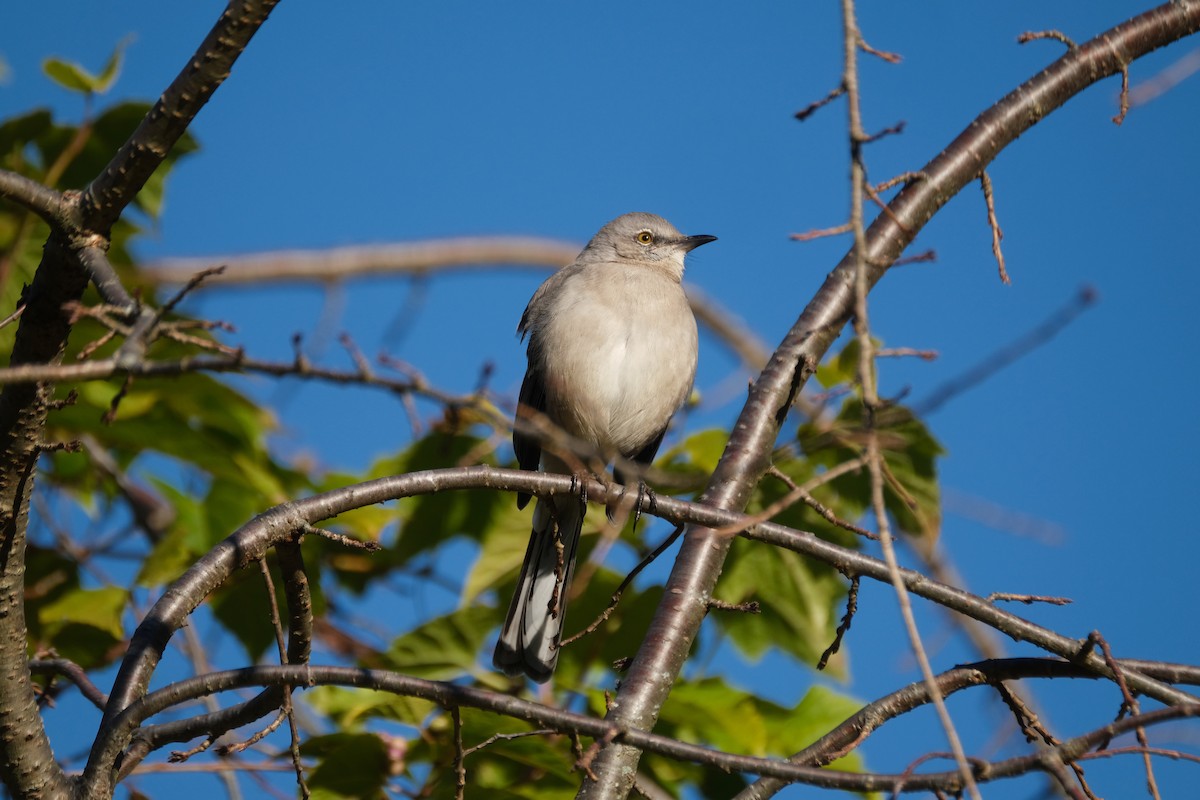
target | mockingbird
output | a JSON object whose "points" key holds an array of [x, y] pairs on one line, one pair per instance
{"points": [[612, 356]]}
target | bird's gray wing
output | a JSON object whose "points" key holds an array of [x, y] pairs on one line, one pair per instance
{"points": [[644, 457], [531, 401]]}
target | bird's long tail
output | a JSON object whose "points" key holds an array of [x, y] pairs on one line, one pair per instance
{"points": [[533, 628]]}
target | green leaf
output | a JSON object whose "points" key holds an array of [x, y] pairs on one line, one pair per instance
{"points": [[184, 541], [352, 765], [351, 708], [444, 647], [112, 68], [501, 553], [97, 608], [910, 453], [799, 600], [241, 606], [69, 75], [84, 625], [696, 456], [17, 132], [818, 712], [75, 78], [429, 520], [732, 719], [505, 769]]}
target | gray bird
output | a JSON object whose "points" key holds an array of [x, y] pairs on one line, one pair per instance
{"points": [[612, 356]]}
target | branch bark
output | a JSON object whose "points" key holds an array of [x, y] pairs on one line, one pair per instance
{"points": [[279, 524], [80, 223], [115, 187], [27, 763], [453, 696], [698, 565], [432, 256]]}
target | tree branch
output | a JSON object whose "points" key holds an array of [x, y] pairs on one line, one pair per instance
{"points": [[339, 263], [113, 189], [451, 695], [42, 200], [279, 524], [678, 618], [27, 763], [432, 256], [849, 735]]}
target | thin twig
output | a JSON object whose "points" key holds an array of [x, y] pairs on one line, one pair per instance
{"points": [[812, 107], [287, 711], [616, 595], [997, 234], [1030, 36], [1134, 707], [818, 233], [866, 370], [1028, 599], [460, 767], [844, 625], [1118, 119]]}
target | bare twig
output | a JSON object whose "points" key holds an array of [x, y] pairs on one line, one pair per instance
{"points": [[1030, 36], [454, 695], [1132, 704], [818, 233], [1028, 599], [994, 224], [844, 625], [812, 107], [1123, 99], [901, 352], [460, 768], [72, 672]]}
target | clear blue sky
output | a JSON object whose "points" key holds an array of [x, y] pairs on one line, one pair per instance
{"points": [[379, 122]]}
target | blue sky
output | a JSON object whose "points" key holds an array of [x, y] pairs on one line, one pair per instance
{"points": [[394, 121]]}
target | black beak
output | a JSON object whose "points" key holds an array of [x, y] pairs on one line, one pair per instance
{"points": [[692, 242]]}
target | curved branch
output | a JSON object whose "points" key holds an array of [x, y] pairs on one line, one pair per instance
{"points": [[279, 524], [698, 564], [41, 200], [339, 263], [113, 189], [94, 261], [427, 257], [849, 735], [451, 695], [27, 762], [72, 672], [299, 650]]}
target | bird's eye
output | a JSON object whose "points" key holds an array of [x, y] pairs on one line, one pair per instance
{"points": [[645, 237]]}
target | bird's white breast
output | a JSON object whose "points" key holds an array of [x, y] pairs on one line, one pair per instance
{"points": [[619, 355]]}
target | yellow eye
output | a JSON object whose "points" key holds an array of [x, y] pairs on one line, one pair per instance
{"points": [[645, 237]]}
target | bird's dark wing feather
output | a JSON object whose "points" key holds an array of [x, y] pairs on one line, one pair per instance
{"points": [[531, 400], [645, 456]]}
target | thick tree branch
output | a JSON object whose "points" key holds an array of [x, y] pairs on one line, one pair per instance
{"points": [[41, 200], [278, 525], [698, 565], [449, 695], [432, 256], [341, 263], [113, 189], [849, 735], [27, 763]]}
